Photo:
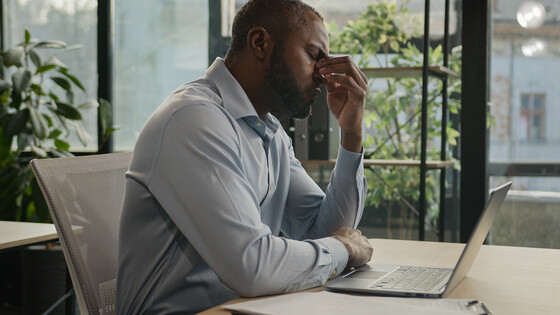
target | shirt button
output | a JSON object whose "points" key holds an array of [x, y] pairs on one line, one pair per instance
{"points": [[259, 124], [333, 272]]}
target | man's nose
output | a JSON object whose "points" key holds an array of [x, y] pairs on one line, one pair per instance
{"points": [[319, 77]]}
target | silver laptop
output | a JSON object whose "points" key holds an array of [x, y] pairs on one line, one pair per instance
{"points": [[422, 281]]}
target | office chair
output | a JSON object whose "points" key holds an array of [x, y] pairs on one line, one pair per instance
{"points": [[85, 195]]}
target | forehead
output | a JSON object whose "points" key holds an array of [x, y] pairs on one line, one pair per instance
{"points": [[314, 33]]}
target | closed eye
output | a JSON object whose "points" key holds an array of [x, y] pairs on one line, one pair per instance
{"points": [[313, 56]]}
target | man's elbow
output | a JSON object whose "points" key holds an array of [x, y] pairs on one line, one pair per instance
{"points": [[251, 287], [257, 271]]}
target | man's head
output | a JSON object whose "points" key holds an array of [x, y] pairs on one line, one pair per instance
{"points": [[278, 17], [282, 39]]}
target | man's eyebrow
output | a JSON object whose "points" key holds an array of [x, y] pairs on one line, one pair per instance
{"points": [[320, 50]]}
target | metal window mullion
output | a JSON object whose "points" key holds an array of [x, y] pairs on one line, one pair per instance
{"points": [[444, 116], [424, 127], [105, 37]]}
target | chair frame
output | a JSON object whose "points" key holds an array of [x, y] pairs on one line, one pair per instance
{"points": [[86, 291]]}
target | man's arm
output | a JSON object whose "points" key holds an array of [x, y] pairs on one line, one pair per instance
{"points": [[346, 98], [200, 182], [312, 213]]}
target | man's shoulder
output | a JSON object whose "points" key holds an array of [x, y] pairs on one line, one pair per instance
{"points": [[197, 96], [199, 92]]}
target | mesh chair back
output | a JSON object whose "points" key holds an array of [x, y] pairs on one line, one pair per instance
{"points": [[85, 196]]}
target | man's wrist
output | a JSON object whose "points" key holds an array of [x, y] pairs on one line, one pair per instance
{"points": [[339, 254], [351, 141]]}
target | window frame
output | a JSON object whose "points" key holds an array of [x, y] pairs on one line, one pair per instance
{"points": [[530, 112]]}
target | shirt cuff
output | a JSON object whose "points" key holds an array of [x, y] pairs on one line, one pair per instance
{"points": [[338, 252], [349, 165]]}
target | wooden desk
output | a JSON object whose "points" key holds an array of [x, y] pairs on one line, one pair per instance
{"points": [[510, 280], [15, 234]]}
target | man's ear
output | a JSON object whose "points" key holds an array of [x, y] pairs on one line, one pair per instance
{"points": [[260, 42]]}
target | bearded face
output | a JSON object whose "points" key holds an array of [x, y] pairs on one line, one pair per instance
{"points": [[293, 100]]}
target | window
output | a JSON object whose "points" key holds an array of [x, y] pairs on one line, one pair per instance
{"points": [[525, 69], [73, 22], [158, 46], [532, 118]]}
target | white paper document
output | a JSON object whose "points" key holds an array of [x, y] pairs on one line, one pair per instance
{"points": [[325, 303]]}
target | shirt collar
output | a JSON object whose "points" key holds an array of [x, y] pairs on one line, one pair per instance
{"points": [[234, 98]]}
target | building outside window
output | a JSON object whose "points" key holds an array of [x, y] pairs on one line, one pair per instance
{"points": [[532, 117], [525, 108]]}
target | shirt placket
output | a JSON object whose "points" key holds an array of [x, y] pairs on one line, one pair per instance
{"points": [[265, 134]]}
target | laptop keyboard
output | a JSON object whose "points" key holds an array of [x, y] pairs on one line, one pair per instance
{"points": [[413, 279]]}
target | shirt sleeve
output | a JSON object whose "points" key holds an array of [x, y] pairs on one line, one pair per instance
{"points": [[199, 180], [311, 213]]}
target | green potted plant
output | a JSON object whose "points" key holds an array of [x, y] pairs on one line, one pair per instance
{"points": [[38, 113], [382, 36]]}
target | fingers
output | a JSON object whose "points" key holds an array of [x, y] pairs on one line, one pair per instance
{"points": [[358, 246], [333, 67], [347, 82]]}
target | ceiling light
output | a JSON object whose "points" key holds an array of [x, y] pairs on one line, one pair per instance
{"points": [[533, 47], [531, 14]]}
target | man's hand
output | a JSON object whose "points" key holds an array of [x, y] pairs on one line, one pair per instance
{"points": [[346, 97], [358, 247]]}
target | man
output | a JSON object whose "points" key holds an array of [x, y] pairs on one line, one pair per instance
{"points": [[213, 178]]}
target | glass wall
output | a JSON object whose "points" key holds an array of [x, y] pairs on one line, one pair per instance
{"points": [[389, 34], [158, 46], [525, 108], [73, 22]]}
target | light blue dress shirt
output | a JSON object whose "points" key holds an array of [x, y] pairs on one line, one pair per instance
{"points": [[208, 191]]}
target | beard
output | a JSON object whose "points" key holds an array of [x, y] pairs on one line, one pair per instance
{"points": [[292, 100]]}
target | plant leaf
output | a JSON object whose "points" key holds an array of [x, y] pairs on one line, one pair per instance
{"points": [[24, 140], [17, 122], [14, 56], [27, 37], [21, 79], [60, 153], [82, 134], [4, 85], [70, 96], [105, 115], [62, 145], [73, 79], [49, 120], [35, 58], [394, 46], [89, 104], [45, 68], [51, 44], [55, 133], [111, 130], [39, 123], [68, 111], [39, 151], [55, 61], [74, 47], [51, 105], [62, 82]]}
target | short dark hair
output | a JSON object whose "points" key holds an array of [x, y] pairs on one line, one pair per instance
{"points": [[279, 17]]}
